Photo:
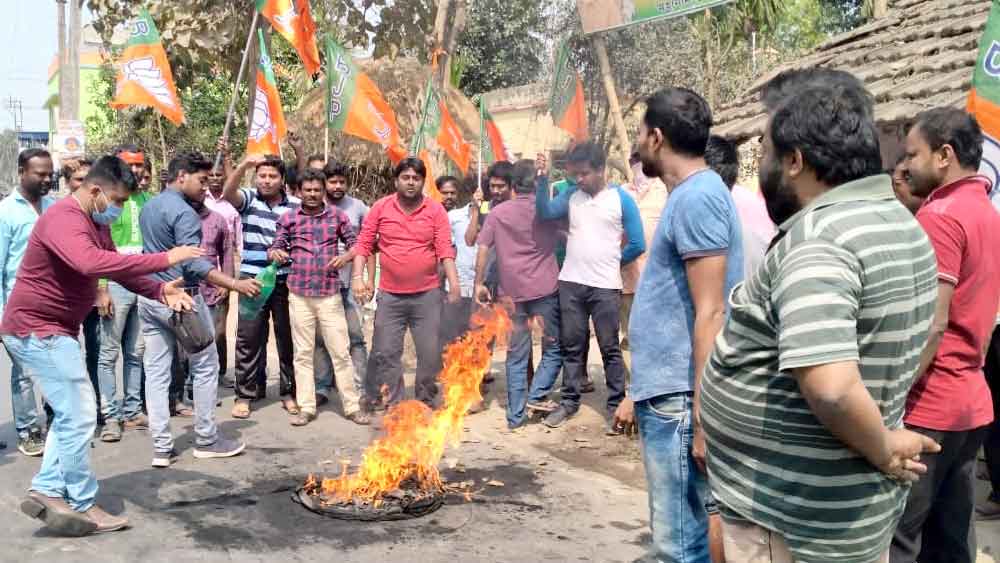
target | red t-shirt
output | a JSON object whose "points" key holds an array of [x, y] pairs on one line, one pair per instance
{"points": [[965, 230], [409, 245], [57, 280]]}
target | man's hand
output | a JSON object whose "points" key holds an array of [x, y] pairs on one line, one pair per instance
{"points": [[105, 305], [248, 287], [278, 255], [175, 297], [222, 146], [339, 261], [296, 142], [251, 161], [180, 254], [698, 448], [541, 164], [625, 417], [905, 447], [454, 295], [483, 297], [362, 291], [477, 199]]}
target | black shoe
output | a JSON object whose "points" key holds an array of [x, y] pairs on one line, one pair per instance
{"points": [[557, 418], [321, 400]]}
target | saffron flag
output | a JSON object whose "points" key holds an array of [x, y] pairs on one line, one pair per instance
{"points": [[493, 149], [566, 100], [144, 76], [984, 99], [438, 123], [354, 104], [430, 186], [293, 20], [268, 125]]}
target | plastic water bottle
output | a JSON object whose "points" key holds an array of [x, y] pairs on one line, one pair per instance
{"points": [[267, 278]]}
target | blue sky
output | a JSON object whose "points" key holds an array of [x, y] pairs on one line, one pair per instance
{"points": [[28, 41]]}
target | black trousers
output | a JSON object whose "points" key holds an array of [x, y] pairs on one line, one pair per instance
{"points": [[421, 313], [579, 304], [992, 445], [938, 525], [455, 319], [251, 348]]}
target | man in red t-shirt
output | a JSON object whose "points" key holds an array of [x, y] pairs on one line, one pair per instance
{"points": [[413, 235], [951, 402]]}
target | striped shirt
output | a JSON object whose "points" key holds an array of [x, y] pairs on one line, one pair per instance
{"points": [[852, 278], [259, 226]]}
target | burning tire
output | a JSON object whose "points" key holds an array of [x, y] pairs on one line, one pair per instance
{"points": [[402, 504]]}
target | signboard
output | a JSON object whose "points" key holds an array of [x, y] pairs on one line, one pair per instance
{"points": [[69, 140], [603, 15]]}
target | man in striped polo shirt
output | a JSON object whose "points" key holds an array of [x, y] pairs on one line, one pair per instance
{"points": [[261, 207], [803, 395]]}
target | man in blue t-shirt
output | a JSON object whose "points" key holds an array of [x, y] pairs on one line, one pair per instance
{"points": [[695, 258]]}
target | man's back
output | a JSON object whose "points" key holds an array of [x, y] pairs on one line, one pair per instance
{"points": [[525, 249]]}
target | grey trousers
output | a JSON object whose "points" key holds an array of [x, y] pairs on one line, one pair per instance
{"points": [[421, 313]]}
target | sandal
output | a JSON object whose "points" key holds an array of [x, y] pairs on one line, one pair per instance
{"points": [[291, 406], [301, 419], [185, 411], [241, 409], [361, 418]]}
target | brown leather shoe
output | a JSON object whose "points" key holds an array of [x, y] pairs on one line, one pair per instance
{"points": [[57, 515], [105, 522]]}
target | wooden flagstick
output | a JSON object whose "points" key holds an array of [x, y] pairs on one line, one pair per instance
{"points": [[236, 87]]}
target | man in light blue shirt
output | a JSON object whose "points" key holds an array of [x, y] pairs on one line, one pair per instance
{"points": [[18, 213], [695, 259]]}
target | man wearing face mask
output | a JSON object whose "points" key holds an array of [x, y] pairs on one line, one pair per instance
{"points": [[803, 395], [68, 251], [18, 214], [119, 311], [170, 220]]}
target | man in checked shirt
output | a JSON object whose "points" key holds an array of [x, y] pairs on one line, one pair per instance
{"points": [[307, 239]]}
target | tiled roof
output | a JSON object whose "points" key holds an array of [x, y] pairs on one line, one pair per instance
{"points": [[920, 55]]}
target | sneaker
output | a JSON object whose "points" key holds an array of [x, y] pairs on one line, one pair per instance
{"points": [[612, 429], [223, 447], [105, 522], [557, 418], [164, 459], [137, 422], [57, 515], [32, 445], [112, 431]]}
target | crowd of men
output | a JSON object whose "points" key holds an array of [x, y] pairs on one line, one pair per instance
{"points": [[806, 365]]}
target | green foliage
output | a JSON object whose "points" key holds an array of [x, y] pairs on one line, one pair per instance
{"points": [[502, 44]]}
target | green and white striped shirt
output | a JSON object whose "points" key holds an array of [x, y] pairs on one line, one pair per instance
{"points": [[853, 278]]}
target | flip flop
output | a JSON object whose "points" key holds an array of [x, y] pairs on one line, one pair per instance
{"points": [[291, 406], [241, 409]]}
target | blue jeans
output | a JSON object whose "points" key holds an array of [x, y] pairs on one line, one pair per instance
{"points": [[359, 351], [56, 362], [161, 344], [677, 488], [22, 399], [519, 351], [121, 332]]}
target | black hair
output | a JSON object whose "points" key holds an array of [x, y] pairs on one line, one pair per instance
{"points": [[791, 83], [315, 157], [272, 161], [26, 155], [502, 170], [523, 176], [291, 176], [721, 155], [442, 180], [956, 128], [189, 162], [127, 147], [588, 153], [71, 166], [312, 175], [683, 117], [410, 163], [112, 171], [335, 168], [835, 136]]}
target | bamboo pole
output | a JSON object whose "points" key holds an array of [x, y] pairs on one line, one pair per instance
{"points": [[163, 140], [236, 87], [615, 106]]}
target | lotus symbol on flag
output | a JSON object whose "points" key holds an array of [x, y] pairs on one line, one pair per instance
{"points": [[146, 73], [286, 18], [381, 129], [262, 124]]}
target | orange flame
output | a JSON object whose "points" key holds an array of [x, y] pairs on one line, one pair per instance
{"points": [[415, 436]]}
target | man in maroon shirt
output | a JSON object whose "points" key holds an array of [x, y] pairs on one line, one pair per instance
{"points": [[69, 249], [413, 236], [951, 401]]}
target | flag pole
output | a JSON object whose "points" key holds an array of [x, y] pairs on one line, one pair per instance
{"points": [[418, 143], [482, 129], [236, 87]]}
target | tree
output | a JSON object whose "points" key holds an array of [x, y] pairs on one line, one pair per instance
{"points": [[502, 45]]}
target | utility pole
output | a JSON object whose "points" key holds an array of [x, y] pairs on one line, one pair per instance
{"points": [[16, 110], [63, 58], [72, 101]]}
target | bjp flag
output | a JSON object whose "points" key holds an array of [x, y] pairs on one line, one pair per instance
{"points": [[492, 146], [566, 102], [268, 125], [293, 20], [144, 76], [439, 124], [430, 187], [984, 100]]}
